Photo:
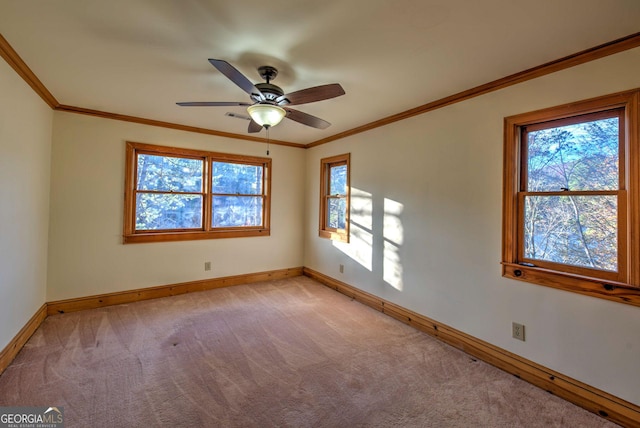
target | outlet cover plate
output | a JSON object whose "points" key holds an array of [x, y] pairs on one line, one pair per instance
{"points": [[517, 331]]}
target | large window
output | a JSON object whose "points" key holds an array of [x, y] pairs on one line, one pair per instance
{"points": [[571, 198], [334, 197], [180, 194]]}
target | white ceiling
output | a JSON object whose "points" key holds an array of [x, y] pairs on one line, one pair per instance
{"points": [[139, 57]]}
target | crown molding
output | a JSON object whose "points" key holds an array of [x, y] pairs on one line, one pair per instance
{"points": [[601, 51], [170, 125], [13, 59], [597, 52]]}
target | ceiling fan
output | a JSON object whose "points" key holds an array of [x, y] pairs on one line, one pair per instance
{"points": [[270, 103]]}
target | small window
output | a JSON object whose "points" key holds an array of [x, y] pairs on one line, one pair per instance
{"points": [[335, 198], [180, 194], [568, 219]]}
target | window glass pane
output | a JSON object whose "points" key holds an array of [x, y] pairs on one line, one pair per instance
{"points": [[161, 211], [236, 178], [583, 156], [338, 180], [337, 213], [574, 230], [166, 173], [236, 211]]}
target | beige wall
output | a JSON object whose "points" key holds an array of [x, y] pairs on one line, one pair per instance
{"points": [[25, 149], [426, 230], [86, 253]]}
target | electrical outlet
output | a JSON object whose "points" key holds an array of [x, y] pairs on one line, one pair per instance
{"points": [[207, 265], [341, 268], [517, 331]]}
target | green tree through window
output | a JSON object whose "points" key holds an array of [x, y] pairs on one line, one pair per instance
{"points": [[182, 194], [237, 194], [169, 193]]}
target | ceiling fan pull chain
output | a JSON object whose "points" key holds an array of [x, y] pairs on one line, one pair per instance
{"points": [[267, 128]]}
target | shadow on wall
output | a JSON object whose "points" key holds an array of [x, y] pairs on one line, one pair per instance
{"points": [[378, 252]]}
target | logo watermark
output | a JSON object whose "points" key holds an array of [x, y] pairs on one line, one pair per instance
{"points": [[31, 417]]}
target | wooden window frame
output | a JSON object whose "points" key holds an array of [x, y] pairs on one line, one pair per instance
{"points": [[131, 235], [341, 235], [622, 286]]}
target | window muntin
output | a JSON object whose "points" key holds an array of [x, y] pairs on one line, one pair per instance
{"points": [[571, 197], [334, 200], [182, 194]]}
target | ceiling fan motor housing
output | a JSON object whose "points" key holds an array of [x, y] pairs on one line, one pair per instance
{"points": [[270, 92]]}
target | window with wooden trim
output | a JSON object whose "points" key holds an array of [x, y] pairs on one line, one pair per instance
{"points": [[335, 193], [571, 197], [174, 194]]}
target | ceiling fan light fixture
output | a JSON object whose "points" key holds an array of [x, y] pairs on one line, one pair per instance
{"points": [[266, 114]]}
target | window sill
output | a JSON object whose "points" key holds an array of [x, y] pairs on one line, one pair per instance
{"points": [[192, 236], [340, 236], [610, 290]]}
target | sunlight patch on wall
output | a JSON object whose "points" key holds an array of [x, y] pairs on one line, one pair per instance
{"points": [[360, 247], [361, 208], [393, 233]]}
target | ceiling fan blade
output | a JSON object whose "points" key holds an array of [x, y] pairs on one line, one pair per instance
{"points": [[311, 95], [212, 104], [306, 119], [254, 127], [236, 77]]}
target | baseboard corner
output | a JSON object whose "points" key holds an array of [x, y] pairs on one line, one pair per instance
{"points": [[9, 353]]}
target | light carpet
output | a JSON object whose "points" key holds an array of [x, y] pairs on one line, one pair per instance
{"points": [[285, 353]]}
